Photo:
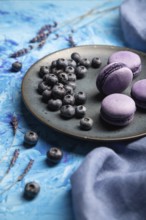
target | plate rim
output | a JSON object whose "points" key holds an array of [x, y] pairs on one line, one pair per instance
{"points": [[68, 133]]}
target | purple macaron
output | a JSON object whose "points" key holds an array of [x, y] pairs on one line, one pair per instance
{"points": [[118, 109], [114, 78], [138, 93], [130, 59]]}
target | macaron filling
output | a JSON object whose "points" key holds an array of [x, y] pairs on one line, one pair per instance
{"points": [[115, 120]]}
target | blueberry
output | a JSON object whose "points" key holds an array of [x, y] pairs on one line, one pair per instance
{"points": [[68, 89], [54, 104], [16, 66], [63, 78], [68, 100], [80, 71], [59, 84], [57, 71], [69, 69], [53, 70], [30, 138], [54, 155], [62, 63], [58, 92], [80, 98], [96, 62], [50, 79], [31, 190], [42, 86], [72, 84], [80, 111], [71, 77], [72, 63], [76, 57], [43, 71], [46, 95], [54, 64], [86, 123], [67, 111], [85, 62]]}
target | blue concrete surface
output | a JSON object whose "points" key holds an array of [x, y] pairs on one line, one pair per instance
{"points": [[19, 22]]}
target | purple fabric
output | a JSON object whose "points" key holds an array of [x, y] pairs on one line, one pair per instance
{"points": [[110, 184], [133, 17]]}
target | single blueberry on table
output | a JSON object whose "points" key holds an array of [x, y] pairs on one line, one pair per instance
{"points": [[54, 155], [80, 98], [43, 71], [16, 66], [68, 100], [67, 111], [86, 123], [30, 138], [96, 62], [31, 190], [54, 104], [80, 111], [80, 72], [76, 57]]}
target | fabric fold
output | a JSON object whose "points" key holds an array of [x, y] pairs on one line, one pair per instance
{"points": [[111, 186]]}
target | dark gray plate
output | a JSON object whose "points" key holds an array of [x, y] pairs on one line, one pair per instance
{"points": [[100, 130]]}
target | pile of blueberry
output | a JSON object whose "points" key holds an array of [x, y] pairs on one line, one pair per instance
{"points": [[59, 83]]}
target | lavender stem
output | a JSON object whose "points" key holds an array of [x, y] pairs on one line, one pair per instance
{"points": [[12, 163], [27, 169]]}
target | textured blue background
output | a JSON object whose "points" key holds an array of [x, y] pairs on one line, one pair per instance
{"points": [[19, 22]]}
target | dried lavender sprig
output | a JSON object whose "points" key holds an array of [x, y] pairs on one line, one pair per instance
{"points": [[40, 37], [28, 167], [12, 163], [21, 52], [14, 123], [13, 160], [71, 41], [19, 177], [41, 44]]}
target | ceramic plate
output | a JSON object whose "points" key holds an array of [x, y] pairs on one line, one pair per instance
{"points": [[101, 130]]}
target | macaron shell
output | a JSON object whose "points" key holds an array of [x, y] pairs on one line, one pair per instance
{"points": [[114, 78], [118, 81], [138, 93], [130, 59], [118, 109]]}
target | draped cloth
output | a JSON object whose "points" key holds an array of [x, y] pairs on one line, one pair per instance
{"points": [[110, 184]]}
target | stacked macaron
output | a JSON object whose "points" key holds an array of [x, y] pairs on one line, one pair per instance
{"points": [[113, 79]]}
